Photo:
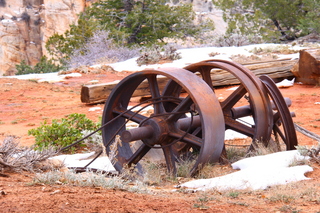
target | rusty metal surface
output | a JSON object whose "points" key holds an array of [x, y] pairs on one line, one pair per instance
{"points": [[167, 126], [282, 115], [259, 103]]}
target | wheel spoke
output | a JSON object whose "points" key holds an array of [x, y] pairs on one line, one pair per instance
{"points": [[170, 159], [155, 94], [182, 107], [278, 131], [206, 76], [233, 98], [186, 137], [239, 127], [130, 115], [136, 157]]}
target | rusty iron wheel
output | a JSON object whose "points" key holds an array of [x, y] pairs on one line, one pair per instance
{"points": [[258, 105], [283, 127], [196, 120]]}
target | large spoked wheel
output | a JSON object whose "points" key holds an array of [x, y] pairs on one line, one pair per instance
{"points": [[195, 120], [284, 132], [249, 99]]}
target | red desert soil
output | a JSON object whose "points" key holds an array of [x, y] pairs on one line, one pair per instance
{"points": [[24, 104]]}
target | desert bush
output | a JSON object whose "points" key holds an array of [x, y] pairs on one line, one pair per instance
{"points": [[156, 53], [44, 66], [16, 158], [233, 39], [63, 132], [269, 19], [279, 49], [100, 48], [143, 23], [25, 17], [89, 179]]}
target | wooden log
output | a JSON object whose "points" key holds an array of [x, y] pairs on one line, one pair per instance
{"points": [[307, 70], [98, 93]]}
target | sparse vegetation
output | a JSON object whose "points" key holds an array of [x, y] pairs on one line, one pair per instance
{"points": [[128, 23], [202, 201], [156, 53], [281, 198], [100, 48], [278, 49], [233, 194], [25, 17], [44, 66], [16, 158], [63, 132], [269, 20]]}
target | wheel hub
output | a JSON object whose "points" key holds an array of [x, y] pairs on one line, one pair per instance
{"points": [[160, 129]]}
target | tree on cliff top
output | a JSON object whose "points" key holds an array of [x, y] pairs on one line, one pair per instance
{"points": [[129, 22], [271, 19]]}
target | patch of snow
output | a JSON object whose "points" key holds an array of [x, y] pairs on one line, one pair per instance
{"points": [[258, 172], [45, 77], [285, 83], [6, 21], [92, 109], [77, 160]]}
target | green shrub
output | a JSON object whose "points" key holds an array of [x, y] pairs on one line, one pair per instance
{"points": [[129, 23], [61, 133], [44, 66]]}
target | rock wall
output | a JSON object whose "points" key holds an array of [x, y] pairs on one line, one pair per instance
{"points": [[26, 25]]}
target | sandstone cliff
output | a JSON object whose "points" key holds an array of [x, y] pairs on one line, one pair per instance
{"points": [[27, 24]]}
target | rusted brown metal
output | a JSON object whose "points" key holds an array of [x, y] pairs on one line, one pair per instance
{"points": [[259, 103], [281, 115], [166, 126]]}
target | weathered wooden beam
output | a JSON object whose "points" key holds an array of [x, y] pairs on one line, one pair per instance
{"points": [[97, 93]]}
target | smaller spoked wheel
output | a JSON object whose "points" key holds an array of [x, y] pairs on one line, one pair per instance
{"points": [[247, 109], [195, 120], [283, 131]]}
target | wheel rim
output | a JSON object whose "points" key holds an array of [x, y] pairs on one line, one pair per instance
{"points": [[165, 127], [281, 116]]}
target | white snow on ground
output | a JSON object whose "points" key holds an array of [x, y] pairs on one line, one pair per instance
{"points": [[193, 55], [256, 173], [78, 160], [188, 56], [45, 77], [285, 83]]}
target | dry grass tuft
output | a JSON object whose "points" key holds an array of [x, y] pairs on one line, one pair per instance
{"points": [[16, 158]]}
